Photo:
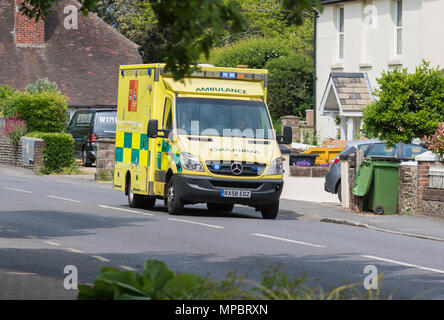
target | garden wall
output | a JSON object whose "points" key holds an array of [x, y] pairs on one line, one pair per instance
{"points": [[420, 186], [21, 155]]}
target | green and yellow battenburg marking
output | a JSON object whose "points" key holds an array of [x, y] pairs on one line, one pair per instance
{"points": [[132, 148]]}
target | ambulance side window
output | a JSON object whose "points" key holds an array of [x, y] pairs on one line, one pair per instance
{"points": [[167, 115]]}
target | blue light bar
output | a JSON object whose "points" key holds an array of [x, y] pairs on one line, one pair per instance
{"points": [[228, 75]]}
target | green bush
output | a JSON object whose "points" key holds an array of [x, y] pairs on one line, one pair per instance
{"points": [[43, 112], [290, 86], [5, 93], [42, 85], [58, 153], [290, 81], [254, 52], [409, 105]]}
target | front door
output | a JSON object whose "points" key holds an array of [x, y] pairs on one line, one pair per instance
{"points": [[163, 147]]}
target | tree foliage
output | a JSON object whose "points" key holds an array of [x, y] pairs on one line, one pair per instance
{"points": [[290, 81], [409, 105], [189, 28]]}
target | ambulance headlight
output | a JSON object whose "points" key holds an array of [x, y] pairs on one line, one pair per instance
{"points": [[276, 167], [190, 162]]}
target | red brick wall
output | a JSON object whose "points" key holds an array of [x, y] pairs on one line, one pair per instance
{"points": [[27, 32], [423, 182]]}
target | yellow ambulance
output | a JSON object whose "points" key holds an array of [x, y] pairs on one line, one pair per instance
{"points": [[206, 139]]}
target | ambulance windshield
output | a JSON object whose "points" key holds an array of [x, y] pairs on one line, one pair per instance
{"points": [[223, 117]]}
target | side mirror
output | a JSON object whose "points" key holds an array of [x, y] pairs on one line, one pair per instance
{"points": [[287, 135], [152, 128]]}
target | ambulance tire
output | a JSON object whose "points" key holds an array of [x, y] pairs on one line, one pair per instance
{"points": [[270, 212], [173, 203], [134, 200]]}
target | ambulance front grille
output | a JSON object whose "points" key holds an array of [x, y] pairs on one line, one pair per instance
{"points": [[224, 168]]}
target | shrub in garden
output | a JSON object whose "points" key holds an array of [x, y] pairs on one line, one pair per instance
{"points": [[43, 112], [435, 143], [409, 105], [42, 85], [290, 85], [59, 151], [14, 129], [253, 52], [5, 93], [303, 163]]}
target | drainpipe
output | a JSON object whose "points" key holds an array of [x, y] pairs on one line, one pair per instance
{"points": [[315, 18]]}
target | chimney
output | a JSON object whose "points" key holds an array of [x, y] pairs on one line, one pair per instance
{"points": [[27, 32]]}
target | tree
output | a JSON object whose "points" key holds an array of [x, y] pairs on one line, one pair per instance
{"points": [[192, 27], [410, 105]]}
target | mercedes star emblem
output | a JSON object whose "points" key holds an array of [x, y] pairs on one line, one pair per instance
{"points": [[236, 168]]}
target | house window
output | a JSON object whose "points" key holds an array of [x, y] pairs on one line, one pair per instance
{"points": [[398, 28], [340, 26]]}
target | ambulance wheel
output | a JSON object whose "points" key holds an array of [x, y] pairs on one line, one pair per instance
{"points": [[134, 200], [270, 212], [173, 203]]}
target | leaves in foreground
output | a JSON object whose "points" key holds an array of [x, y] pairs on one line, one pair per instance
{"points": [[158, 282]]}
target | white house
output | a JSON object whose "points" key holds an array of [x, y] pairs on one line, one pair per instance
{"points": [[358, 39]]}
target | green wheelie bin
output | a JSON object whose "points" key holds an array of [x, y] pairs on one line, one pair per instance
{"points": [[378, 181]]}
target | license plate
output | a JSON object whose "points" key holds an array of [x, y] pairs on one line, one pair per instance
{"points": [[235, 194]]}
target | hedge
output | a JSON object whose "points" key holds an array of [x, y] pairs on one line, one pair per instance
{"points": [[59, 150], [290, 81], [253, 52], [290, 86], [43, 112]]}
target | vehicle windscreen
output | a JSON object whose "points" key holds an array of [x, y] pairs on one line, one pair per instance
{"points": [[220, 117], [381, 150], [413, 150], [105, 123]]}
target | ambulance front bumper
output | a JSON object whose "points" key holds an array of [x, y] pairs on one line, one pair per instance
{"points": [[203, 189]]}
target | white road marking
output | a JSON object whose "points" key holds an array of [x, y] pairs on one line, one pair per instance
{"points": [[21, 273], [403, 264], [288, 240], [66, 199], [100, 258], [128, 268], [126, 210], [199, 223], [52, 243], [15, 189], [74, 250]]}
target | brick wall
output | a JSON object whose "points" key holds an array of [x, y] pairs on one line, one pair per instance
{"points": [[9, 154], [430, 200], [105, 158], [12, 155], [300, 171], [26, 31]]}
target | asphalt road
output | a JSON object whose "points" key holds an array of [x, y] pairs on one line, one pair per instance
{"points": [[46, 225]]}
